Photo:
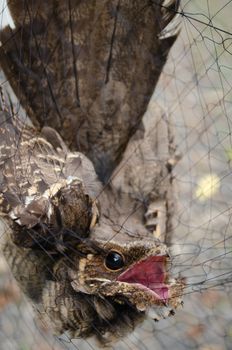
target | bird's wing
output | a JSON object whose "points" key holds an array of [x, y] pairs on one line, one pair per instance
{"points": [[42, 186], [88, 68]]}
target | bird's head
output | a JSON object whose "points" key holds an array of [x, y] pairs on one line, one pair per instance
{"points": [[137, 274]]}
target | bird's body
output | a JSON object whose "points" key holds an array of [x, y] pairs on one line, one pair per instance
{"points": [[68, 270], [83, 252]]}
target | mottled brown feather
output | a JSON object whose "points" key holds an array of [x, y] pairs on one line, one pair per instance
{"points": [[88, 68], [66, 278], [42, 185]]}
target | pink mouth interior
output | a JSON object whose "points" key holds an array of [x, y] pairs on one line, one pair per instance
{"points": [[149, 273]]}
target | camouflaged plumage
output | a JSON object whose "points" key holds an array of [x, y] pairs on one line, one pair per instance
{"points": [[62, 268], [42, 187], [88, 69]]}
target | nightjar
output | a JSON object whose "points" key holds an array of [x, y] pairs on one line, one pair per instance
{"points": [[60, 246], [84, 248]]}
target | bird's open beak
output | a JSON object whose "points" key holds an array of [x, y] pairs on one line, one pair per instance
{"points": [[151, 275]]}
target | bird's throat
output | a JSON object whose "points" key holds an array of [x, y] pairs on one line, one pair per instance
{"points": [[150, 274]]}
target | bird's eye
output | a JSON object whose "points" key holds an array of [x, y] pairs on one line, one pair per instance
{"points": [[114, 261]]}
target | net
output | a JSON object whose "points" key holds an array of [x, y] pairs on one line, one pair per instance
{"points": [[194, 90]]}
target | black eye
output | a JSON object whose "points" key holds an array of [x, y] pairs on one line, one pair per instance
{"points": [[114, 261]]}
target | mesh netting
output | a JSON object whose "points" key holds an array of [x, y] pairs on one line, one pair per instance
{"points": [[194, 90]]}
